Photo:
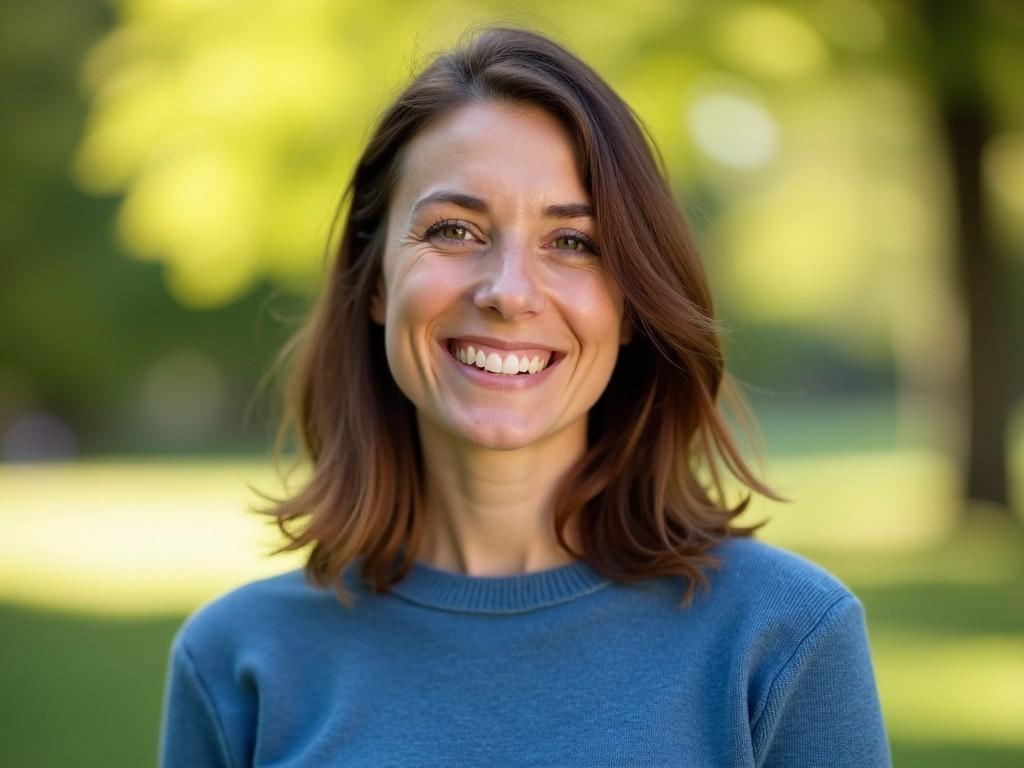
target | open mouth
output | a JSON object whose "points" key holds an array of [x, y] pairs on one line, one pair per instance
{"points": [[508, 363]]}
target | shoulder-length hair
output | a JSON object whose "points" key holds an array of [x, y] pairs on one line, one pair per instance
{"points": [[642, 509]]}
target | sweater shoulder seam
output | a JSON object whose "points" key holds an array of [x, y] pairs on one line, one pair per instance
{"points": [[208, 699], [781, 676]]}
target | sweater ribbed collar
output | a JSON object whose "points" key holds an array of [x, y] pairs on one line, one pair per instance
{"points": [[519, 593]]}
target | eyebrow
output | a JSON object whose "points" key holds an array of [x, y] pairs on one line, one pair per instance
{"points": [[472, 203]]}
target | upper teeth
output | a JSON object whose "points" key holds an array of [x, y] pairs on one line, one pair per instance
{"points": [[494, 363]]}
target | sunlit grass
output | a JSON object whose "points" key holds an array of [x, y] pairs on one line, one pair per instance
{"points": [[935, 688], [130, 537], [154, 537], [895, 500]]}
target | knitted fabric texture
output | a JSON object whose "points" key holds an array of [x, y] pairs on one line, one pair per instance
{"points": [[770, 667]]}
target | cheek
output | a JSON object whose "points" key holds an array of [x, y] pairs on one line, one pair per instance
{"points": [[597, 312], [424, 292], [419, 298]]}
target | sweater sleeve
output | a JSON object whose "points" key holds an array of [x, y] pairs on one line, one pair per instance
{"points": [[191, 735], [822, 708]]}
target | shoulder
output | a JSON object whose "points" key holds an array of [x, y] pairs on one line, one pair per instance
{"points": [[800, 636], [771, 607], [252, 615], [758, 568], [772, 597]]}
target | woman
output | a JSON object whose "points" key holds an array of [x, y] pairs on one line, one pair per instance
{"points": [[508, 396]]}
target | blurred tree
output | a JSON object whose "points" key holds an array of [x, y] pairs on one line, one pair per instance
{"points": [[226, 132], [88, 336], [955, 40]]}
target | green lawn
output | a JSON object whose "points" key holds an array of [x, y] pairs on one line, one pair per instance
{"points": [[100, 562]]}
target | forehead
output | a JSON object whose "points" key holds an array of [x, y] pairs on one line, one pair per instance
{"points": [[498, 151]]}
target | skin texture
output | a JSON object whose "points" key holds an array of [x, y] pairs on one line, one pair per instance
{"points": [[514, 272]]}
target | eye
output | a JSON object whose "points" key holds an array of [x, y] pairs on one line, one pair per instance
{"points": [[453, 232], [449, 229], [575, 242], [568, 243]]}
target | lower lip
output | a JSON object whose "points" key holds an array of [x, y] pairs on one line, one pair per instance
{"points": [[501, 381]]}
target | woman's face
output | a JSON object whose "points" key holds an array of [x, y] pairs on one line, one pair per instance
{"points": [[490, 253]]}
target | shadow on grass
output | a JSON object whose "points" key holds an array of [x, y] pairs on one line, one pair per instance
{"points": [[947, 609], [970, 584], [80, 689], [905, 755]]}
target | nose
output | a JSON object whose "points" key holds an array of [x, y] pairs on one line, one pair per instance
{"points": [[509, 284]]}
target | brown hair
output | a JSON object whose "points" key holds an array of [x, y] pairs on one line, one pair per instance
{"points": [[643, 511]]}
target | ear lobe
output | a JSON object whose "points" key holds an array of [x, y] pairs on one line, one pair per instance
{"points": [[378, 302]]}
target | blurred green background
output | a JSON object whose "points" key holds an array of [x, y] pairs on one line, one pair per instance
{"points": [[854, 169]]}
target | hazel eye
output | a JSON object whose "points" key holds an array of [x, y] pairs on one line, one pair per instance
{"points": [[569, 243], [454, 232], [575, 242], [450, 230]]}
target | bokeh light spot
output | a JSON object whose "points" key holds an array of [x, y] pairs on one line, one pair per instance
{"points": [[770, 41], [732, 127]]}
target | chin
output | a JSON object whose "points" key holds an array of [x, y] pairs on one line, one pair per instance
{"points": [[498, 437]]}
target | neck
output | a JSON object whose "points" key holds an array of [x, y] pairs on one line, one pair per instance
{"points": [[490, 512]]}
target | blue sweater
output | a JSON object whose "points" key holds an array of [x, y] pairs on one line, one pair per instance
{"points": [[562, 667]]}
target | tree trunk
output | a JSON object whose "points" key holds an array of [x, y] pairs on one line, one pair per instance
{"points": [[965, 120]]}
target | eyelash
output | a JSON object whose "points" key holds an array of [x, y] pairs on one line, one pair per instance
{"points": [[587, 243]]}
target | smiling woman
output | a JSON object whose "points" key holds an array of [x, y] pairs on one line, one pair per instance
{"points": [[508, 392], [491, 269]]}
